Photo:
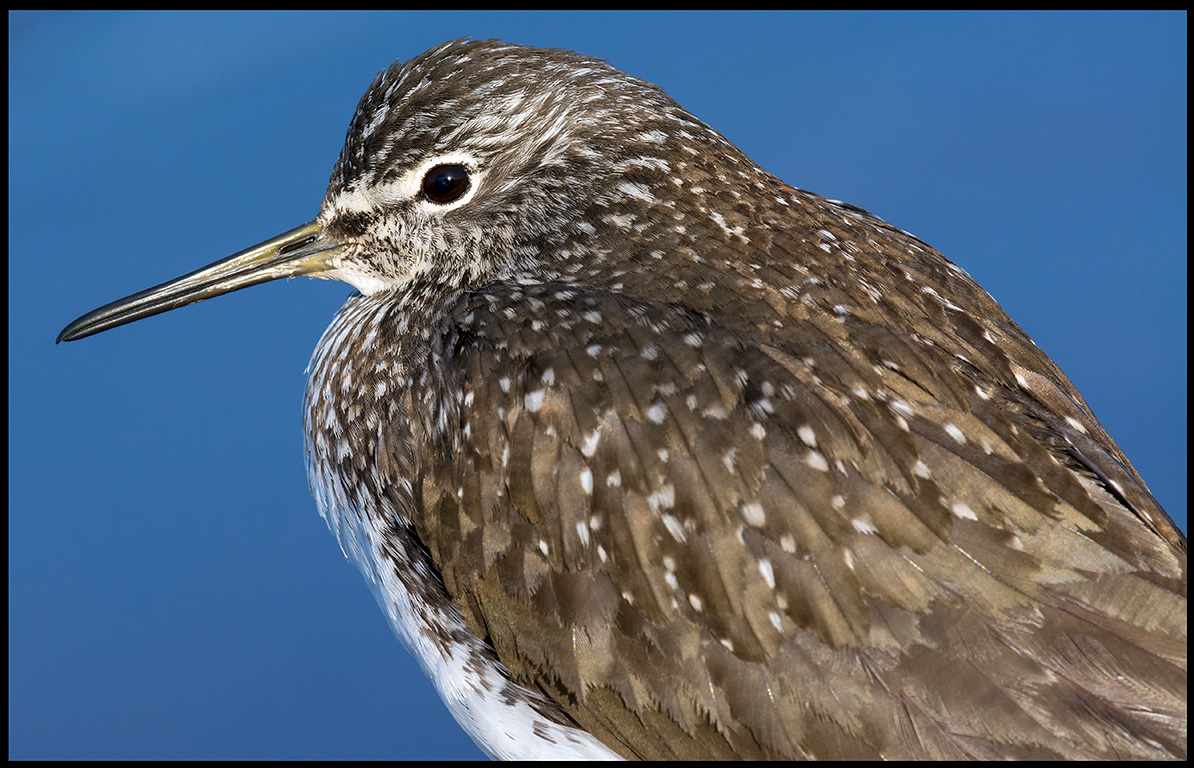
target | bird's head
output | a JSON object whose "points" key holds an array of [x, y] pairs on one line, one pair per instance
{"points": [[479, 161]]}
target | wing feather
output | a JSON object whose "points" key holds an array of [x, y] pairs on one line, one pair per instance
{"points": [[830, 544]]}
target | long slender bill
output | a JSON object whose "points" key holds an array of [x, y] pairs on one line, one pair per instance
{"points": [[305, 250]]}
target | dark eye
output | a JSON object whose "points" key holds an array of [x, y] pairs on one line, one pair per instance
{"points": [[445, 183]]}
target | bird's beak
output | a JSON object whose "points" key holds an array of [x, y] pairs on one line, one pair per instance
{"points": [[307, 250]]}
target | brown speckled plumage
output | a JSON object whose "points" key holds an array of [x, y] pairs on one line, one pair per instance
{"points": [[645, 441]]}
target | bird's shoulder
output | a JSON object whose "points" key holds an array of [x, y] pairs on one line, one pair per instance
{"points": [[725, 543]]}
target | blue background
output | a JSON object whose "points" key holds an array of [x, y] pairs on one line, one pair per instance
{"points": [[173, 592]]}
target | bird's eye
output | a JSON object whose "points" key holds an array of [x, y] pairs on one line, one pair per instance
{"points": [[444, 184]]}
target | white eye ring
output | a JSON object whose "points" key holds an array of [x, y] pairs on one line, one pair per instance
{"points": [[445, 184], [412, 182], [409, 188]]}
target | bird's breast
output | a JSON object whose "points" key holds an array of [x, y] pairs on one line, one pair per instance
{"points": [[362, 471]]}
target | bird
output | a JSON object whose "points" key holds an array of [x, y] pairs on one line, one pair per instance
{"points": [[645, 453]]}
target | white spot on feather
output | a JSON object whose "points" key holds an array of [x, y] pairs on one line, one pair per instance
{"points": [[815, 460], [864, 526], [753, 514], [963, 510], [767, 572]]}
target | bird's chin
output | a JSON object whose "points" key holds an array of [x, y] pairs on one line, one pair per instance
{"points": [[367, 282]]}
